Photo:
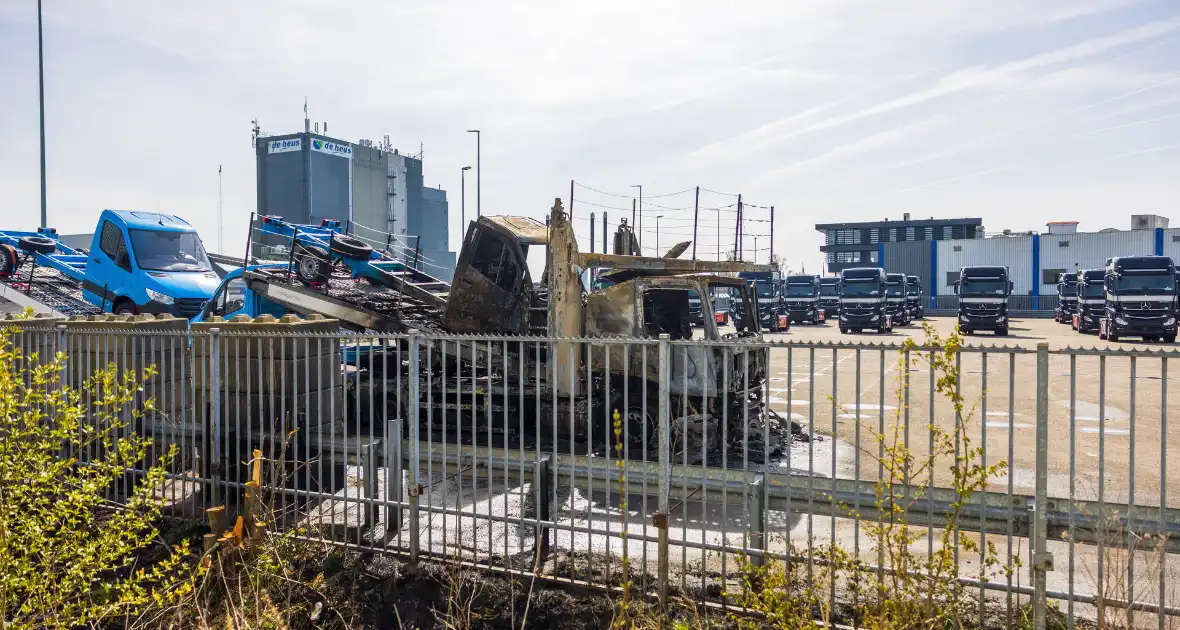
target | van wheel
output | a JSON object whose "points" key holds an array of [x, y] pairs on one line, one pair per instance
{"points": [[125, 307], [311, 264], [7, 261]]}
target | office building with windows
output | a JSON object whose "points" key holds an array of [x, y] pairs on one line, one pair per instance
{"points": [[858, 244]]}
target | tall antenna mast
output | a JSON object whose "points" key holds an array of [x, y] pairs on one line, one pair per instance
{"points": [[220, 223]]}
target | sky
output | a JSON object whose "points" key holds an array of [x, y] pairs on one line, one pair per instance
{"points": [[1016, 111]]}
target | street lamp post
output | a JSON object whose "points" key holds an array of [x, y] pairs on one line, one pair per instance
{"points": [[463, 202], [639, 224], [41, 90], [658, 217], [478, 173]]}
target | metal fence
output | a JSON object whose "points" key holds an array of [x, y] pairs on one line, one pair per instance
{"points": [[512, 456], [1027, 304]]}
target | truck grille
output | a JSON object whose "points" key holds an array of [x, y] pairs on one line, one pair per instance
{"points": [[189, 307]]}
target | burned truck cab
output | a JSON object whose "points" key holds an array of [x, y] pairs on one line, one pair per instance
{"points": [[492, 289]]}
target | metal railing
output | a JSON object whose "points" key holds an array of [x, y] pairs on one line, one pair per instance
{"points": [[507, 453]]}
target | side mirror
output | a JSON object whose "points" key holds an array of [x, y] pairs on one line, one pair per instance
{"points": [[955, 286]]}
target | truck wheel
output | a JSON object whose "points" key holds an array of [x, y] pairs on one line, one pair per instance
{"points": [[350, 247], [37, 244], [311, 264], [1002, 332], [843, 331], [1169, 338], [124, 307], [7, 261], [1112, 337]]}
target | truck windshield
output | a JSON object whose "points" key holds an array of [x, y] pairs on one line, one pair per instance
{"points": [[894, 289], [1153, 283], [1068, 289], [828, 290], [764, 289], [800, 290], [971, 286], [912, 289], [1093, 290], [169, 251], [861, 289]]}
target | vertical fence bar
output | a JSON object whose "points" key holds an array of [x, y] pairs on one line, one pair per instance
{"points": [[215, 412], [1042, 561], [393, 476], [415, 450], [1163, 479], [1130, 531], [665, 469]]}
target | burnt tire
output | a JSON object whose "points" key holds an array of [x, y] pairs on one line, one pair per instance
{"points": [[311, 264], [8, 261], [350, 247], [37, 244]]}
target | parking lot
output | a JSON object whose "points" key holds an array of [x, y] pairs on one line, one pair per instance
{"points": [[1108, 416]]}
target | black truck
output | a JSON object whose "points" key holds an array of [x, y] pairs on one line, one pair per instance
{"points": [[898, 306], [1067, 298], [913, 296], [829, 296], [983, 298], [1140, 299], [863, 301], [801, 299], [1091, 299], [765, 287]]}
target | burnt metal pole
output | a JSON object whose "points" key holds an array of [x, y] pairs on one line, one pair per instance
{"points": [[592, 233], [771, 235], [737, 230], [41, 92], [696, 214], [604, 232]]}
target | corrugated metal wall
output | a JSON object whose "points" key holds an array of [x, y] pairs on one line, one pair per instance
{"points": [[1015, 252], [911, 258], [1172, 244], [1089, 251]]}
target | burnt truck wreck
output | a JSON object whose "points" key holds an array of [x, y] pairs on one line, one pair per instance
{"points": [[534, 384]]}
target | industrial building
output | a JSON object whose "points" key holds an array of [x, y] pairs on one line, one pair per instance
{"points": [[857, 244], [373, 188], [1034, 260]]}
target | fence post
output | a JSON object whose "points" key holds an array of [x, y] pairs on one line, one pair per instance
{"points": [[415, 450], [1042, 560], [215, 413], [393, 476], [369, 484], [756, 519], [660, 520], [542, 483]]}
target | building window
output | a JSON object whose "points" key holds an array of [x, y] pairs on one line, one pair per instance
{"points": [[930, 234], [1063, 243], [830, 237], [909, 234], [874, 235], [844, 257], [952, 278], [946, 233], [1049, 276], [873, 256], [892, 235], [848, 237]]}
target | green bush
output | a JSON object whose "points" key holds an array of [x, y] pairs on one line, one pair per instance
{"points": [[69, 556]]}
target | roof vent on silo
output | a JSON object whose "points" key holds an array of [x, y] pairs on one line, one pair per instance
{"points": [[1062, 227]]}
